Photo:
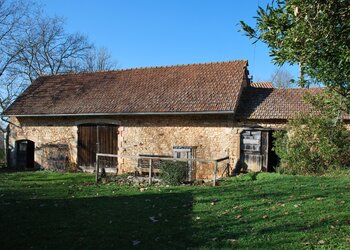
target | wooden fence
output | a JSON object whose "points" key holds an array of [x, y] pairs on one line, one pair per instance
{"points": [[150, 158]]}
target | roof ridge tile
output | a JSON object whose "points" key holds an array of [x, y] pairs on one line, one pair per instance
{"points": [[142, 68]]}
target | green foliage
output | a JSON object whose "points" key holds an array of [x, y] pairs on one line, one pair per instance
{"points": [[314, 144], [311, 33], [315, 35], [173, 172]]}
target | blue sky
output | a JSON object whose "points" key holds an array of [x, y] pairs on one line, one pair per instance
{"points": [[141, 33]]}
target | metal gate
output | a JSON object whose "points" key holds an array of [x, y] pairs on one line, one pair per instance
{"points": [[186, 152]]}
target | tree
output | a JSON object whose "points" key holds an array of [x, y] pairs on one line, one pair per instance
{"points": [[311, 33], [12, 15], [281, 78], [12, 18], [315, 35], [316, 141], [48, 49], [32, 44], [99, 59]]}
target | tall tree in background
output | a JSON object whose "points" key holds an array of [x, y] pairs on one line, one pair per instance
{"points": [[48, 49], [33, 44], [12, 18], [281, 78], [99, 59], [311, 33]]}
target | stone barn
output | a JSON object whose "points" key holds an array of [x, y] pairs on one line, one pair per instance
{"points": [[203, 111]]}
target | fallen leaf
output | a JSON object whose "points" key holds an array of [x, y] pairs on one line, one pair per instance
{"points": [[321, 242], [265, 216], [232, 241], [153, 219], [136, 242]]}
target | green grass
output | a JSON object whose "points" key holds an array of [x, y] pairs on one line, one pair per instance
{"points": [[45, 210]]}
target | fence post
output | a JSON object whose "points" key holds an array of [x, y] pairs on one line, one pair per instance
{"points": [[150, 172], [97, 167], [215, 170]]}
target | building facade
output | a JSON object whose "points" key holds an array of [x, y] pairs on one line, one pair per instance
{"points": [[200, 111]]}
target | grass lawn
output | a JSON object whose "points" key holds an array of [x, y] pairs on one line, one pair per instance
{"points": [[45, 210]]}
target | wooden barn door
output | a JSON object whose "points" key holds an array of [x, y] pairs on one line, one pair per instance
{"points": [[255, 150], [97, 138]]}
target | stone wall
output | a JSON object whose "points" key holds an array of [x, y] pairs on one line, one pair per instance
{"points": [[214, 136], [55, 140]]}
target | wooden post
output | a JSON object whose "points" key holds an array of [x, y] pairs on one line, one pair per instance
{"points": [[215, 170], [97, 167], [150, 172]]}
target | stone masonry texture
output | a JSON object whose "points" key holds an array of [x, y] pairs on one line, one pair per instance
{"points": [[213, 136]]}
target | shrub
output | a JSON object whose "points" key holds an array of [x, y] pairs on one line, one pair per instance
{"points": [[313, 144], [173, 172]]}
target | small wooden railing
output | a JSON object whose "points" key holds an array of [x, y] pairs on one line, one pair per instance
{"points": [[150, 158]]}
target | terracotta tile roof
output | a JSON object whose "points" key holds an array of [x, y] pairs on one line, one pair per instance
{"points": [[274, 104], [210, 87], [261, 85], [265, 103]]}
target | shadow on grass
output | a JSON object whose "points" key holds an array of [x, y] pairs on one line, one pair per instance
{"points": [[271, 212], [146, 221]]}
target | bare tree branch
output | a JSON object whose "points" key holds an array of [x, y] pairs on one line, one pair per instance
{"points": [[281, 78]]}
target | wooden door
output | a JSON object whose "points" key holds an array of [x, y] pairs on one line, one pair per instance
{"points": [[87, 145], [107, 143], [254, 150], [97, 138]]}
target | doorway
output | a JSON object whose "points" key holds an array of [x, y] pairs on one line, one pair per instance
{"points": [[97, 138], [256, 151]]}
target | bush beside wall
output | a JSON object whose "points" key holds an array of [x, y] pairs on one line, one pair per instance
{"points": [[173, 172]]}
